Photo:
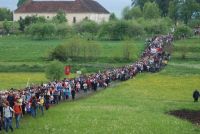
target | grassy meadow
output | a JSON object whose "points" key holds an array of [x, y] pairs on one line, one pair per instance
{"points": [[22, 49], [20, 79], [137, 106]]}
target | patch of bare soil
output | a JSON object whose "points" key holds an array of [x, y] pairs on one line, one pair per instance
{"points": [[190, 115]]}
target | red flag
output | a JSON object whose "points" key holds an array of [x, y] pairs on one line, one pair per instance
{"points": [[67, 70]]}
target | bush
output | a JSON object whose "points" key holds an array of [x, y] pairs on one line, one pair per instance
{"points": [[62, 30], [41, 30], [183, 31], [194, 23], [76, 49], [48, 30], [10, 27], [135, 30], [60, 17], [28, 20], [54, 71], [119, 30], [6, 27], [156, 26], [59, 53], [87, 28]]}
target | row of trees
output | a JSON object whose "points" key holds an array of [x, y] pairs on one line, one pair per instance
{"points": [[177, 10], [40, 28], [144, 18]]}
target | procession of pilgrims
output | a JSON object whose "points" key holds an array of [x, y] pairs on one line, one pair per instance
{"points": [[35, 99]]}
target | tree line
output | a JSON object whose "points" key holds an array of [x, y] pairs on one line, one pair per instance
{"points": [[144, 18]]}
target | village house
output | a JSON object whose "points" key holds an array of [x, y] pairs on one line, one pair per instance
{"points": [[76, 10]]}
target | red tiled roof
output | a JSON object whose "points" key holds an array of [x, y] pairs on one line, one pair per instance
{"points": [[77, 6]]}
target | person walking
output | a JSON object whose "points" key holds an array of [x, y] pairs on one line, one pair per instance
{"points": [[18, 113], [41, 104], [196, 95], [73, 92], [33, 106], [8, 112]]}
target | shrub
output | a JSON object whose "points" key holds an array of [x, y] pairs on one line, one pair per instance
{"points": [[60, 17], [41, 30], [59, 53], [194, 23], [54, 71], [87, 27], [28, 20], [62, 30], [135, 30], [6, 27], [76, 49], [156, 26], [182, 31]]}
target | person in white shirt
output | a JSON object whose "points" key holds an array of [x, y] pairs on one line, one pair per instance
{"points": [[8, 112]]}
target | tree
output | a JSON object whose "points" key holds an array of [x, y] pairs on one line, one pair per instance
{"points": [[174, 8], [136, 12], [188, 9], [133, 12], [151, 10], [140, 3], [60, 17], [54, 71], [164, 6], [5, 14], [126, 14], [7, 27], [28, 20], [21, 2], [113, 17]]}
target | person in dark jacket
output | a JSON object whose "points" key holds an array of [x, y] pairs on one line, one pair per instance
{"points": [[196, 95], [73, 92]]}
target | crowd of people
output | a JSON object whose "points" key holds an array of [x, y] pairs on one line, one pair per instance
{"points": [[33, 100]]}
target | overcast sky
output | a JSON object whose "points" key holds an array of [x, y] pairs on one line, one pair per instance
{"points": [[115, 6]]}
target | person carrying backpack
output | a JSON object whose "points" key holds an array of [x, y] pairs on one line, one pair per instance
{"points": [[8, 111], [18, 112]]}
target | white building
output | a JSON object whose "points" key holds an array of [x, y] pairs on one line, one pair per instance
{"points": [[76, 10]]}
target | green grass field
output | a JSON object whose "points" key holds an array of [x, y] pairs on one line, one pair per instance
{"points": [[22, 49], [20, 80], [138, 106]]}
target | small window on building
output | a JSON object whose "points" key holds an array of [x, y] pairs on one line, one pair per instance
{"points": [[74, 19]]}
